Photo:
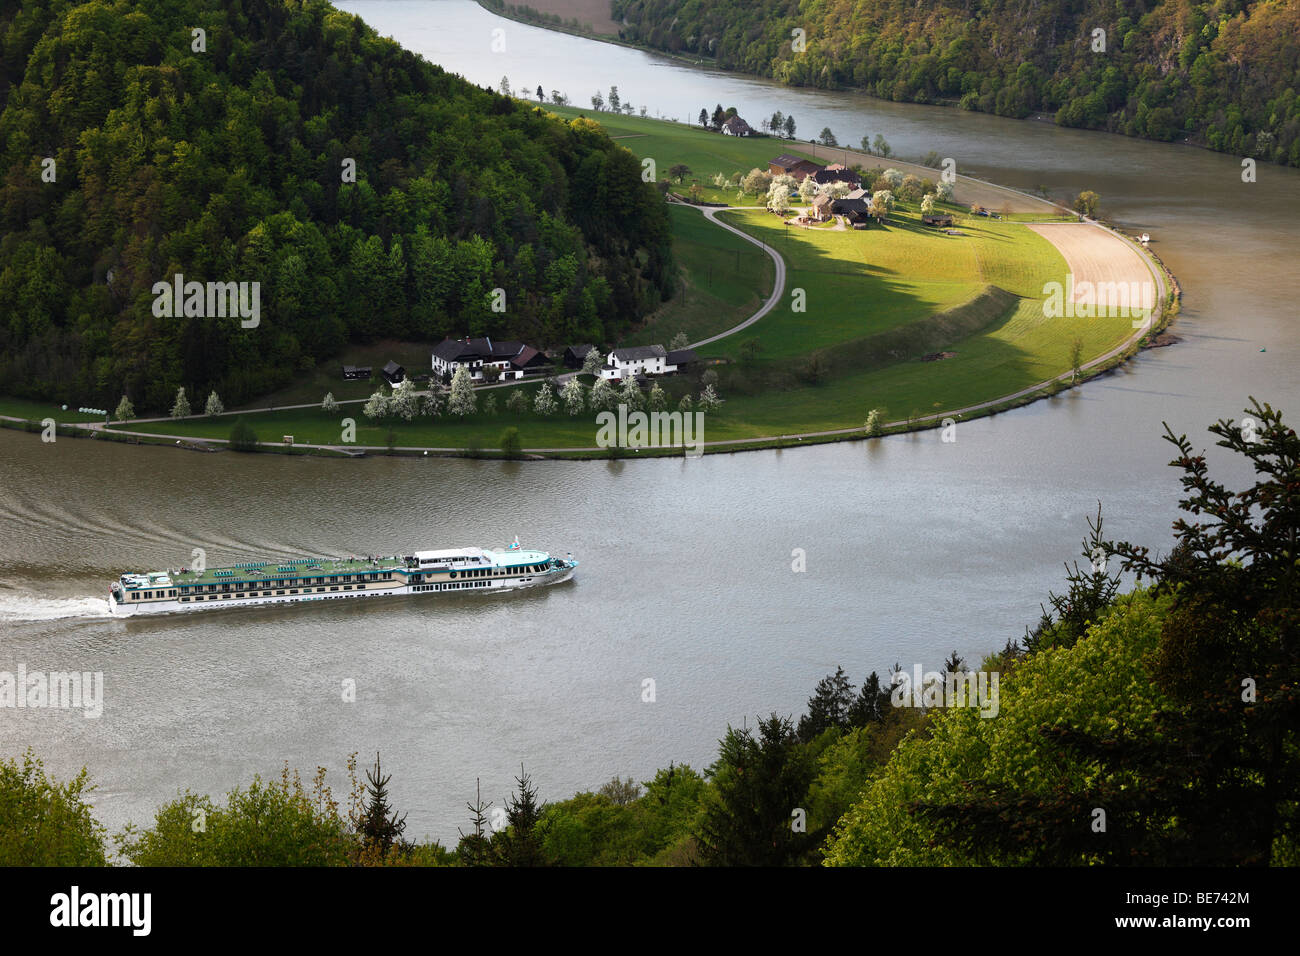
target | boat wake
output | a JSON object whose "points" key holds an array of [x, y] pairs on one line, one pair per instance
{"points": [[18, 607]]}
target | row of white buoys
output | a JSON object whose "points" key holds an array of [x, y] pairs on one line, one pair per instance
{"points": [[90, 411]]}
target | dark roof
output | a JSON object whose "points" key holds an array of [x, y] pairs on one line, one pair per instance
{"points": [[392, 367], [831, 174], [846, 206], [681, 357], [529, 356], [454, 350], [639, 353], [737, 125], [579, 351], [794, 166]]}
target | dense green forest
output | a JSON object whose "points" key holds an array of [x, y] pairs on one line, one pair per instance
{"points": [[1222, 74], [227, 156], [1160, 726]]}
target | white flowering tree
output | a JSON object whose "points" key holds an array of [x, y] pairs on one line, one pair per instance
{"points": [[680, 341], [686, 404], [944, 191], [329, 405], [377, 406], [778, 199], [807, 190], [630, 394], [462, 401], [181, 407], [432, 405], [593, 361], [213, 406], [894, 177], [709, 400], [573, 396], [658, 399], [927, 204], [873, 422], [882, 202], [544, 402], [125, 410], [404, 403], [602, 397]]}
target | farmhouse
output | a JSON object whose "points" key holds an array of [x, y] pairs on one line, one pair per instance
{"points": [[821, 207], [644, 360], [512, 359], [735, 126], [937, 219], [788, 165]]}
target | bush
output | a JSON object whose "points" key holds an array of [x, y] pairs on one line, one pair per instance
{"points": [[243, 437], [511, 446]]}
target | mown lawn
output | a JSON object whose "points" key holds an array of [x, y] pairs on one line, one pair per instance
{"points": [[859, 282]]}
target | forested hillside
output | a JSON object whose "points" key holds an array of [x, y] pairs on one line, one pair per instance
{"points": [[1224, 74], [224, 157]]}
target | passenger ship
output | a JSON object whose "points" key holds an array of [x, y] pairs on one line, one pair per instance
{"points": [[325, 579]]}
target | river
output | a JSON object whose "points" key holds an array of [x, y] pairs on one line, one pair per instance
{"points": [[914, 547]]}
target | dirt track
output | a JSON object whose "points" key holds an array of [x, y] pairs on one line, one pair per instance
{"points": [[1100, 258]]}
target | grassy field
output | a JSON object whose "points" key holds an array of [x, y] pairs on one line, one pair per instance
{"points": [[704, 152], [311, 385], [861, 282], [724, 280]]}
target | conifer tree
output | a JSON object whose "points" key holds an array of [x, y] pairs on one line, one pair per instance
{"points": [[828, 707], [520, 843], [380, 828]]}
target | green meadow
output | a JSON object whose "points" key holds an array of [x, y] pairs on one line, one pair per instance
{"points": [[706, 153]]}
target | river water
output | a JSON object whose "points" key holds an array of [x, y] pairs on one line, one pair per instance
{"points": [[913, 547]]}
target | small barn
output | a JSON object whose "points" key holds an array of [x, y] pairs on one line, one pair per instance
{"points": [[393, 373], [938, 220], [575, 355], [356, 371]]}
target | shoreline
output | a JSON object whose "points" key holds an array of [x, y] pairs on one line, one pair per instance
{"points": [[1036, 117]]}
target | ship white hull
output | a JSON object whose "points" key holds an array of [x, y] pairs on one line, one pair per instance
{"points": [[487, 586]]}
